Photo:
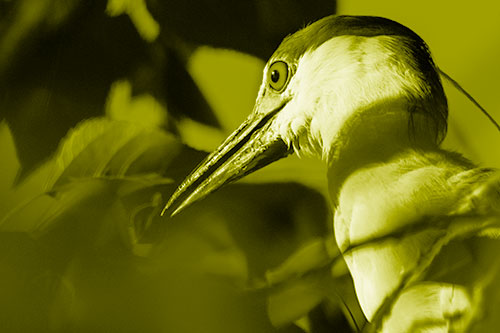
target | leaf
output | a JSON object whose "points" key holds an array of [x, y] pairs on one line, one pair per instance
{"points": [[72, 199], [199, 136], [12, 194], [143, 109], [296, 298], [100, 147], [492, 233], [10, 164], [127, 185], [42, 211], [308, 171], [313, 255], [230, 263], [145, 24], [306, 278], [230, 94]]}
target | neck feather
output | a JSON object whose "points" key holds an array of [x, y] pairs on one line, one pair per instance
{"points": [[375, 136]]}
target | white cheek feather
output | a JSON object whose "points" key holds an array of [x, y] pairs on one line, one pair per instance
{"points": [[334, 82]]}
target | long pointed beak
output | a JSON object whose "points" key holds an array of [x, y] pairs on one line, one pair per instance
{"points": [[252, 146]]}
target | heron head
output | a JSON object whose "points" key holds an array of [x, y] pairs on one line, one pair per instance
{"points": [[321, 82]]}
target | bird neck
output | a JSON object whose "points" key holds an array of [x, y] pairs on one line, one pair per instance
{"points": [[375, 136]]}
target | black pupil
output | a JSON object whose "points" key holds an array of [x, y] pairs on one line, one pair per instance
{"points": [[275, 76]]}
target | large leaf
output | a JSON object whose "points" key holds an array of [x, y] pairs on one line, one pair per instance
{"points": [[10, 164], [41, 212], [297, 297], [307, 171], [229, 80], [12, 195], [314, 273], [84, 195], [315, 254], [141, 109], [102, 147], [101, 161]]}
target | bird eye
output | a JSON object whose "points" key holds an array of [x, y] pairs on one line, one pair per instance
{"points": [[277, 75]]}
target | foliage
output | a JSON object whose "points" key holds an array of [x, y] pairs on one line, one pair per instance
{"points": [[105, 107], [101, 109]]}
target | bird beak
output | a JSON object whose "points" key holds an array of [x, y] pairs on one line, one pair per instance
{"points": [[252, 146]]}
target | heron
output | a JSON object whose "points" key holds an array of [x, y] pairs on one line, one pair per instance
{"points": [[364, 95]]}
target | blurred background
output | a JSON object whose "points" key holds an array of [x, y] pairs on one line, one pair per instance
{"points": [[106, 105]]}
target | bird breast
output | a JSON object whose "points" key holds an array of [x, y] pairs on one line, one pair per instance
{"points": [[375, 205]]}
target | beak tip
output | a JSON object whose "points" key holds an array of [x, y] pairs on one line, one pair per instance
{"points": [[163, 211], [176, 211], [167, 207], [250, 147]]}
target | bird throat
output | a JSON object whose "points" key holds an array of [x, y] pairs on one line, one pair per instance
{"points": [[372, 137]]}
